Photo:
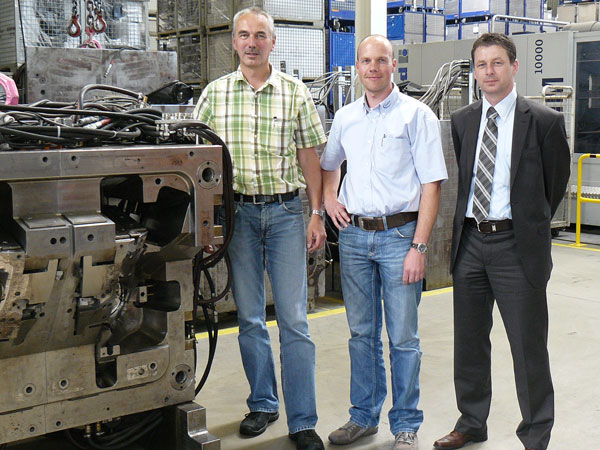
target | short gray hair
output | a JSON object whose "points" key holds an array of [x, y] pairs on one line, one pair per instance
{"points": [[259, 12]]}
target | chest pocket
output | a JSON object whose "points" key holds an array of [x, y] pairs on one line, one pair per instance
{"points": [[276, 124], [276, 132], [393, 155]]}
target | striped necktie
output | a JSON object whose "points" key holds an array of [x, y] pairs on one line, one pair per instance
{"points": [[482, 192]]}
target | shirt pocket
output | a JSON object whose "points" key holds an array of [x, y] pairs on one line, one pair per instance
{"points": [[276, 135], [393, 155]]}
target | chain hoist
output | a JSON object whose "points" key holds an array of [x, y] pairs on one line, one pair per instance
{"points": [[94, 22], [74, 28]]}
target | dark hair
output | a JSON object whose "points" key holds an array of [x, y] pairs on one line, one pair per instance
{"points": [[501, 40]]}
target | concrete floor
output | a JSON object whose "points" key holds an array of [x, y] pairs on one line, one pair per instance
{"points": [[574, 346]]}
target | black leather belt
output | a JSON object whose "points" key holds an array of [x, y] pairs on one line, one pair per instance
{"points": [[385, 222], [260, 199], [489, 226]]}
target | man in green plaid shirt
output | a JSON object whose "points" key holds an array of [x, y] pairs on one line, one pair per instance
{"points": [[271, 127]]}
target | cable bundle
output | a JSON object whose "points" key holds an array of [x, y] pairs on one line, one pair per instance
{"points": [[117, 119], [445, 79], [118, 434], [322, 86]]}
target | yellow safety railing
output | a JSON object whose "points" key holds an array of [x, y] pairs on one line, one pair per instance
{"points": [[580, 198]]}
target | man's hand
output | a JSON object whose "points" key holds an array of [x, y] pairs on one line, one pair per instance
{"points": [[315, 233], [337, 212], [414, 267]]}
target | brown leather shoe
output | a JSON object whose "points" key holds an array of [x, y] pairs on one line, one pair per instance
{"points": [[456, 439]]}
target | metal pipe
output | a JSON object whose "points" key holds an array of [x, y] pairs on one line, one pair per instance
{"points": [[528, 19], [582, 26]]}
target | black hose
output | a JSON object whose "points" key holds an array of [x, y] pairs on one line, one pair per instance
{"points": [[77, 112], [213, 138], [212, 348], [78, 132], [16, 132], [73, 441], [202, 264], [215, 298]]}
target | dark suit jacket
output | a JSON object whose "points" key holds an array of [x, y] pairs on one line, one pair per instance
{"points": [[539, 173]]}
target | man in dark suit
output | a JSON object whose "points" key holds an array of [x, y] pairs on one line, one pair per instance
{"points": [[514, 164]]}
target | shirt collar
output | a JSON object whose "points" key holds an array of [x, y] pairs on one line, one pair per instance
{"points": [[273, 80], [503, 107], [386, 104]]}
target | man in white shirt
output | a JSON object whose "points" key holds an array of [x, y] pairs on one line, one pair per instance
{"points": [[385, 212]]}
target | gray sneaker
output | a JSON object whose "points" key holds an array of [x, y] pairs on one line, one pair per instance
{"points": [[406, 440], [349, 433]]}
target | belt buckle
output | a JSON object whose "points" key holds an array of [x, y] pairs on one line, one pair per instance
{"points": [[491, 224], [361, 224], [255, 202]]}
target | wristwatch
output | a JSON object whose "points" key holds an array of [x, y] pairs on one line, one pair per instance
{"points": [[318, 212], [420, 247]]}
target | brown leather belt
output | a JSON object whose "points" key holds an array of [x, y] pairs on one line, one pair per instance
{"points": [[489, 226], [260, 199], [384, 222]]}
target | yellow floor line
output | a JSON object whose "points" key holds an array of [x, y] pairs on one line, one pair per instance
{"points": [[317, 315], [576, 247], [445, 290]]}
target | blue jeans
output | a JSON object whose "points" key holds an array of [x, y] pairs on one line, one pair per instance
{"points": [[372, 265], [272, 237]]}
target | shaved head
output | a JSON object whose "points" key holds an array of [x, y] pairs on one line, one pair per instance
{"points": [[375, 38]]}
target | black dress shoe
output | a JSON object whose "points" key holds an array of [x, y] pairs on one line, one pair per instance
{"points": [[307, 440], [256, 422]]}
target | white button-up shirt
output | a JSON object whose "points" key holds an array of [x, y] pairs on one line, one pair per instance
{"points": [[391, 150], [500, 202]]}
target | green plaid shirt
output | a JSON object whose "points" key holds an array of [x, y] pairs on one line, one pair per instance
{"points": [[262, 129]]}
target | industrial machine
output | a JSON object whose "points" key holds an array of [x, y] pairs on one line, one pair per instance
{"points": [[547, 61], [105, 208]]}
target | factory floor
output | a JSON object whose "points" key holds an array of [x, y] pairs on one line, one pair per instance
{"points": [[574, 346]]}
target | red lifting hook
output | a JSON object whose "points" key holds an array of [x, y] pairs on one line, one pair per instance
{"points": [[74, 28], [99, 24]]}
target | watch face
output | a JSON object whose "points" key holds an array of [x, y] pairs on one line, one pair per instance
{"points": [[420, 247]]}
